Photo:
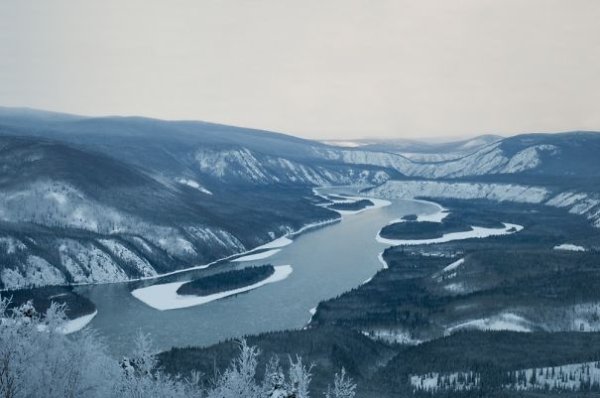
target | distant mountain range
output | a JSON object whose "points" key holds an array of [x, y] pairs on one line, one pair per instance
{"points": [[560, 154], [421, 151], [87, 199]]}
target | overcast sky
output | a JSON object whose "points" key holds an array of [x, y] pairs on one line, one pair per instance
{"points": [[316, 68]]}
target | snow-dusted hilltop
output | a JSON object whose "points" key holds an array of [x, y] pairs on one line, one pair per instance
{"points": [[460, 190], [421, 151], [569, 154], [243, 165], [586, 204], [88, 200], [75, 217], [109, 199]]}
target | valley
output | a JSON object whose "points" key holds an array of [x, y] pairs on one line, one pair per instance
{"points": [[393, 262], [300, 199], [321, 263]]}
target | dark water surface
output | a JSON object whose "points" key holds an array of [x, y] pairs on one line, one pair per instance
{"points": [[326, 262]]}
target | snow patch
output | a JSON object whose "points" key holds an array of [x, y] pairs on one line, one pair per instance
{"points": [[475, 232], [504, 321], [11, 244], [143, 243], [460, 190], [58, 197], [75, 325], [458, 287], [454, 265], [35, 271], [276, 244], [87, 263], [437, 216], [314, 225], [129, 257], [256, 256], [397, 336], [528, 158], [382, 261], [164, 296], [344, 144], [377, 204], [194, 184], [570, 377], [434, 381], [570, 247]]}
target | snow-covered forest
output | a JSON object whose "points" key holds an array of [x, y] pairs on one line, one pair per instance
{"points": [[37, 359]]}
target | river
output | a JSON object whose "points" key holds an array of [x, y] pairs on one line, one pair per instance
{"points": [[326, 262]]}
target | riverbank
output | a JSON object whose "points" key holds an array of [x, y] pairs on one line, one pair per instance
{"points": [[326, 263], [165, 297], [475, 232]]}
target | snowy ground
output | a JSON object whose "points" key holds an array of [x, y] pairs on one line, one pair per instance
{"points": [[377, 203], [194, 184], [256, 256], [310, 226], [565, 377], [75, 325], [392, 336], [570, 247], [457, 287], [276, 244], [437, 216], [454, 265], [71, 325], [504, 321], [450, 271], [582, 203], [475, 232], [434, 381], [569, 377], [164, 296], [382, 261]]}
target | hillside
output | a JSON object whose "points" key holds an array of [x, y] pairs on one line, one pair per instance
{"points": [[96, 200], [420, 151], [88, 199], [111, 199], [74, 216]]}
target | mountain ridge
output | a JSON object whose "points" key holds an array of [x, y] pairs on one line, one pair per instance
{"points": [[178, 193]]}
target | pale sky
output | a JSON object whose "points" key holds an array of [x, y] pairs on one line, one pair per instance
{"points": [[315, 68]]}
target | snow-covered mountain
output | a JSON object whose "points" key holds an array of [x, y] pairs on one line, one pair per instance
{"points": [[203, 152], [103, 199], [69, 216], [567, 154], [579, 202], [230, 154], [421, 150], [110, 199]]}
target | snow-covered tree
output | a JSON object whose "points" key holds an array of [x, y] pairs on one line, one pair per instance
{"points": [[38, 360], [299, 378], [274, 384], [239, 379], [141, 378], [343, 386]]}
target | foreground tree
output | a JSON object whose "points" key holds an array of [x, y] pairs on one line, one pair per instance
{"points": [[38, 360], [343, 387]]}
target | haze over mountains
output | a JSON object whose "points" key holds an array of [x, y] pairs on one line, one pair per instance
{"points": [[113, 198], [426, 151]]}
